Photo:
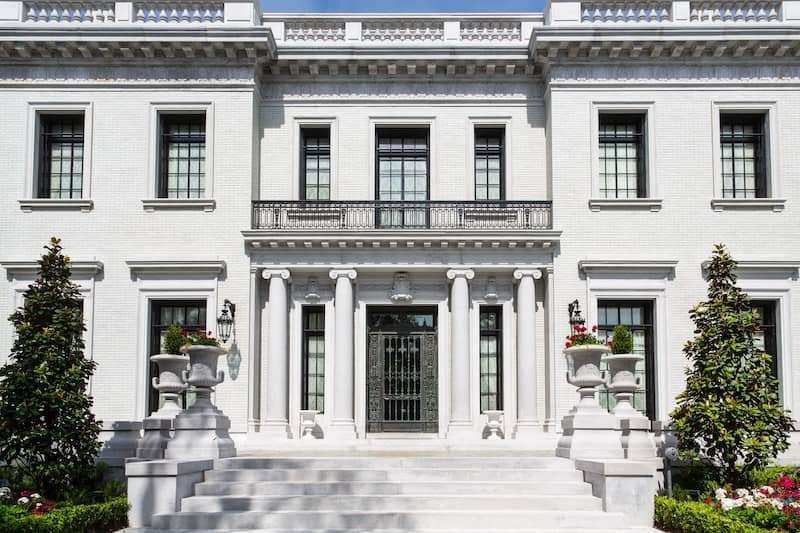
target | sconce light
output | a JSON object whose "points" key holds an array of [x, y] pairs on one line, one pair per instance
{"points": [[225, 321], [575, 317]]}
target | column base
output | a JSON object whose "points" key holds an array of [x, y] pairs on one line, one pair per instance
{"points": [[342, 429], [637, 440], [155, 438], [528, 430], [275, 429], [462, 430], [200, 435], [590, 436]]}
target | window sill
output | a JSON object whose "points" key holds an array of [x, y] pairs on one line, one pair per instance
{"points": [[775, 204], [31, 204], [206, 204], [652, 204]]}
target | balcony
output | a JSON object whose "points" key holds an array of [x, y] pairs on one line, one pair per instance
{"points": [[382, 216]]}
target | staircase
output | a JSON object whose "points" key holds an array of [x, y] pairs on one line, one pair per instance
{"points": [[392, 494]]}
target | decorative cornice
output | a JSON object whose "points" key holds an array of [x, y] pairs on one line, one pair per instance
{"points": [[595, 267], [186, 267], [27, 269], [763, 267]]}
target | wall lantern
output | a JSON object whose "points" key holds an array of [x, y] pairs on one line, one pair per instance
{"points": [[575, 317], [225, 321]]}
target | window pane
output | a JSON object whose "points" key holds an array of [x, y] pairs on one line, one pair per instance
{"points": [[61, 156], [621, 155], [183, 148]]}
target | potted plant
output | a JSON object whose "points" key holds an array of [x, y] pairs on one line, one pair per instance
{"points": [[622, 367], [584, 351], [204, 352], [171, 365]]}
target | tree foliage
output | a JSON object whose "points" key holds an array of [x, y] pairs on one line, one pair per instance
{"points": [[730, 413], [47, 429]]}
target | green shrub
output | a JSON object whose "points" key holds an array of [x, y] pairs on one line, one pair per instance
{"points": [[763, 476], [763, 518], [97, 518], [693, 517], [622, 340], [173, 340]]}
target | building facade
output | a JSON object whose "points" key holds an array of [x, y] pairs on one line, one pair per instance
{"points": [[402, 207]]}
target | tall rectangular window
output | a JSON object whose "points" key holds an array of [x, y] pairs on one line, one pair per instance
{"points": [[60, 156], [491, 358], [182, 169], [316, 164], [402, 175], [767, 336], [622, 155], [743, 158], [489, 163], [313, 358], [188, 314], [638, 317]]}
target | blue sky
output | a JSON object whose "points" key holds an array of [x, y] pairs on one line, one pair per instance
{"points": [[401, 6]]}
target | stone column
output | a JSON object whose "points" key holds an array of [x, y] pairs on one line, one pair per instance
{"points": [[552, 353], [460, 380], [254, 352], [527, 417], [275, 417], [342, 424]]}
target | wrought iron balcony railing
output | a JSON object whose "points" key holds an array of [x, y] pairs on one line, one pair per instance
{"points": [[382, 215]]}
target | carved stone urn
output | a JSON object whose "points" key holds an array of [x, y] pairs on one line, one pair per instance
{"points": [[637, 440], [201, 431], [169, 383], [590, 432], [494, 421], [308, 421]]}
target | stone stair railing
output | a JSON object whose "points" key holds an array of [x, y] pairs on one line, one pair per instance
{"points": [[665, 12]]}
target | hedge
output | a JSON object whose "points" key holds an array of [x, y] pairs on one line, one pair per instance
{"points": [[692, 517], [96, 518]]}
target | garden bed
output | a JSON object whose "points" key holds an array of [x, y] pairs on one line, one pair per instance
{"points": [[94, 518]]}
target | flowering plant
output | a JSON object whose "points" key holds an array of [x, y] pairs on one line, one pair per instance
{"points": [[782, 494], [31, 501], [582, 337], [199, 338]]}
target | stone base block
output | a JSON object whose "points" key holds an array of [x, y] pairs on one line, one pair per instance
{"points": [[120, 441], [461, 431], [341, 430], [625, 487], [275, 429], [199, 436], [590, 436], [527, 430], [637, 440], [155, 439]]}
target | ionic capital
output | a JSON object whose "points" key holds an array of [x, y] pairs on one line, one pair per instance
{"points": [[276, 273], [343, 272], [454, 273], [535, 273]]}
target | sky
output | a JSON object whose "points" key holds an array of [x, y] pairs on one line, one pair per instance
{"points": [[401, 6]]}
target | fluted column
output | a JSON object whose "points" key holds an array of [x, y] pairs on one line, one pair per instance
{"points": [[527, 415], [275, 421], [254, 352], [460, 381], [342, 424]]}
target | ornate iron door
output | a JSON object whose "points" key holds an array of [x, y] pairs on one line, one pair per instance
{"points": [[402, 387]]}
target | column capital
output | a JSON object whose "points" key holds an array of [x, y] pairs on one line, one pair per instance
{"points": [[337, 273], [535, 273], [454, 273], [276, 273]]}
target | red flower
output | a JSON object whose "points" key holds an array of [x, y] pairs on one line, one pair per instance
{"points": [[569, 345], [25, 493], [785, 482], [571, 338], [707, 500], [594, 328]]}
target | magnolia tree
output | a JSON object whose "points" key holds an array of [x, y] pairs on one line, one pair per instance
{"points": [[730, 414], [48, 431]]}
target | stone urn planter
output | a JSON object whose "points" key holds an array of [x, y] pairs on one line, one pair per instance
{"points": [[637, 440], [308, 421], [201, 431], [494, 422], [169, 383], [590, 432]]}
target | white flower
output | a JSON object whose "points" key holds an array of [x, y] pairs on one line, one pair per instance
{"points": [[720, 494], [742, 493], [727, 504], [23, 501], [5, 492], [766, 489], [35, 496]]}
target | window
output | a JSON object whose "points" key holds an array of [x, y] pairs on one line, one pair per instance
{"points": [[638, 317], [402, 175], [743, 156], [767, 337], [316, 164], [60, 156], [182, 168], [189, 315], [313, 358], [489, 163], [491, 357], [622, 155]]}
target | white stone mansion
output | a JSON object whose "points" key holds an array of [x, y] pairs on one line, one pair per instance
{"points": [[400, 207]]}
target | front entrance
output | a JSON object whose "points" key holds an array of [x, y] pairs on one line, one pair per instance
{"points": [[402, 384]]}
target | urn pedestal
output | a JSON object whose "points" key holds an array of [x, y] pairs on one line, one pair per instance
{"points": [[637, 441], [170, 385], [590, 432], [201, 431]]}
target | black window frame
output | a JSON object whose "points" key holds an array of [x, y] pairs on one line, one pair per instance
{"points": [[758, 138], [648, 326], [156, 305], [402, 132], [486, 152], [307, 132], [308, 331], [44, 156], [165, 139], [768, 323], [638, 119], [497, 333]]}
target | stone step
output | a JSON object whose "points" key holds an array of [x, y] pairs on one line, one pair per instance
{"points": [[366, 488], [405, 474], [397, 503], [489, 530], [540, 463], [500, 520]]}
